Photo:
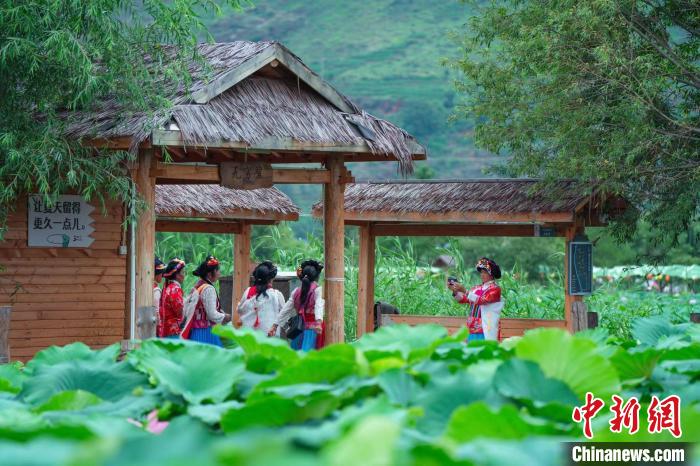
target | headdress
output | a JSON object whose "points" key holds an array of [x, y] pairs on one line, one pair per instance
{"points": [[489, 266]]}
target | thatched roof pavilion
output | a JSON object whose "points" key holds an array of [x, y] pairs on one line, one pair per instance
{"points": [[210, 201], [250, 105], [255, 96], [515, 201], [481, 207]]}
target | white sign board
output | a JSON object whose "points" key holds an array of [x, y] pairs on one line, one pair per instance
{"points": [[65, 224]]}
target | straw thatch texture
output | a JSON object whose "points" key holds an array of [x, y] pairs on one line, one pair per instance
{"points": [[213, 201], [498, 195], [254, 109]]}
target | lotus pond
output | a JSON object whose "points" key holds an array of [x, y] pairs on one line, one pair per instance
{"points": [[403, 395]]}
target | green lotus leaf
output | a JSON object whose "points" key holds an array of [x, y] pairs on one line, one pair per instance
{"points": [[411, 342], [634, 365], [23, 425], [73, 400], [329, 365], [11, 377], [212, 413], [525, 381], [73, 352], [478, 421], [109, 381], [183, 442], [275, 411], [574, 361], [40, 452], [532, 451], [377, 436], [650, 330], [314, 436], [197, 372], [443, 396], [263, 354], [400, 387]]}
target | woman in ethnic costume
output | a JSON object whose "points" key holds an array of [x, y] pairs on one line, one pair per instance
{"points": [[307, 301], [485, 303], [261, 303], [207, 312], [172, 300]]}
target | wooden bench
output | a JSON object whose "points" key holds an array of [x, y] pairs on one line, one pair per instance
{"points": [[509, 327]]}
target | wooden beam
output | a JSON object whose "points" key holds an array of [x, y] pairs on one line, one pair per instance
{"points": [[365, 280], [334, 239], [490, 230], [189, 226], [460, 217], [272, 144], [241, 266], [145, 241], [167, 173]]}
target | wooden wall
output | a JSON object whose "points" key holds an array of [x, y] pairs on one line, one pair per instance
{"points": [[509, 327], [59, 296]]}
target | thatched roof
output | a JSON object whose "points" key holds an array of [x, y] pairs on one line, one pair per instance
{"points": [[503, 196], [222, 105], [213, 201]]}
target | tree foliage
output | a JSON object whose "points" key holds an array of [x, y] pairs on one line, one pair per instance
{"points": [[601, 90], [61, 56]]}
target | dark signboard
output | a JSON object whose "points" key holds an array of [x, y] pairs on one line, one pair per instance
{"points": [[580, 268]]}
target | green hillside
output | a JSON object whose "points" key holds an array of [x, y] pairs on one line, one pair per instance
{"points": [[386, 55]]}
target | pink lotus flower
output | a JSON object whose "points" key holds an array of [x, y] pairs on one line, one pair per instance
{"points": [[152, 424]]}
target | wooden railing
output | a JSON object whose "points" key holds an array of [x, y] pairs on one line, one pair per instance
{"points": [[509, 327]]}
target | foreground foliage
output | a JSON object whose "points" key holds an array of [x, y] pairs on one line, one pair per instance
{"points": [[61, 56], [403, 395], [602, 91]]}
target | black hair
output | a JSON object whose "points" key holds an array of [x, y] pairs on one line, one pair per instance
{"points": [[308, 272], [159, 266], [263, 273], [209, 265], [495, 269]]}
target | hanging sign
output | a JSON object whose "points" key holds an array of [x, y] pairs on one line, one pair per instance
{"points": [[542, 231], [64, 224], [580, 268], [245, 175]]}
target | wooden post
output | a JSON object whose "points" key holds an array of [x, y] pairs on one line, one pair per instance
{"points": [[241, 265], [145, 246], [569, 300], [579, 316], [365, 281], [5, 312], [334, 240]]}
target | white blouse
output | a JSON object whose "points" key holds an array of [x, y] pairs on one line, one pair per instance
{"points": [[209, 298], [288, 310], [265, 308]]}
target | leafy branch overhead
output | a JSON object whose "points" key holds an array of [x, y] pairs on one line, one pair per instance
{"points": [[59, 57], [604, 90]]}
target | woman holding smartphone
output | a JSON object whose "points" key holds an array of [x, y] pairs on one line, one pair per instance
{"points": [[485, 303]]}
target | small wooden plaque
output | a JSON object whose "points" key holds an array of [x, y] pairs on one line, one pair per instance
{"points": [[248, 175]]}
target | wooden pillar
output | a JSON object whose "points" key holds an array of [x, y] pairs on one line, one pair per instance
{"points": [[334, 240], [241, 265], [5, 313], [569, 300], [145, 246], [365, 281]]}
